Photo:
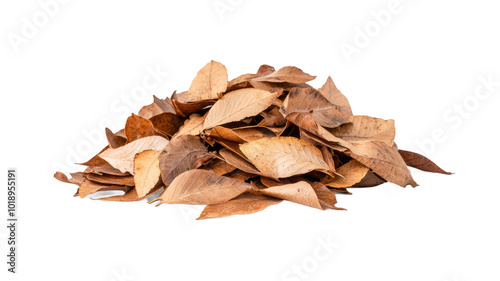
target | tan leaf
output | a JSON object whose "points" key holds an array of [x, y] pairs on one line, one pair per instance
{"points": [[284, 157], [202, 187], [89, 187], [182, 154], [334, 96], [209, 83], [192, 126], [243, 204], [353, 173], [290, 74], [110, 179], [384, 160], [130, 196], [365, 129], [241, 163], [300, 192], [113, 140], [237, 105], [106, 169], [186, 109], [146, 171], [241, 135], [122, 158]]}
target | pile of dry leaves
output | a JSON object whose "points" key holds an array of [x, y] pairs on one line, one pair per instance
{"points": [[243, 145]]}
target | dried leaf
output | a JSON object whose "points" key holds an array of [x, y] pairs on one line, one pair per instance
{"points": [[158, 106], [182, 154], [353, 173], [290, 74], [284, 157], [202, 187], [130, 196], [110, 179], [209, 83], [421, 162], [138, 127], [243, 204], [146, 171], [334, 96], [89, 187], [167, 123], [365, 129], [122, 158], [237, 105]]}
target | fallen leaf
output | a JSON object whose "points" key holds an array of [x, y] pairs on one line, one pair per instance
{"points": [[138, 127], [237, 105], [243, 204], [284, 157], [209, 83], [146, 171], [290, 74], [182, 154], [353, 173], [421, 162], [122, 158], [200, 187]]}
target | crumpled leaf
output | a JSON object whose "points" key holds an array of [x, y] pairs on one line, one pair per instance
{"points": [[290, 74], [353, 172]]}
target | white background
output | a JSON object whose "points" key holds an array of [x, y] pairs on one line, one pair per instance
{"points": [[86, 64]]}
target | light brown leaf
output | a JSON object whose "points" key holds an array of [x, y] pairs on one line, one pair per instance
{"points": [[334, 96], [182, 154], [300, 192], [167, 123], [241, 163], [88, 187], [241, 135], [131, 195], [146, 171], [284, 157], [243, 204], [157, 107], [110, 179], [365, 129], [202, 187], [122, 158], [209, 83], [192, 126], [237, 105], [353, 172], [113, 140], [290, 74]]}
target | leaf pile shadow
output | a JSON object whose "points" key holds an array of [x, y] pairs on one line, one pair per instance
{"points": [[240, 146]]}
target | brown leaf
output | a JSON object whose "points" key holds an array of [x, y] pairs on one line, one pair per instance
{"points": [[192, 126], [272, 118], [353, 173], [158, 106], [167, 123], [284, 157], [146, 171], [106, 169], [334, 96], [114, 141], [290, 74], [209, 83], [241, 135], [182, 154], [370, 179], [365, 129], [237, 105], [309, 100], [110, 179], [88, 187], [186, 109], [131, 195], [122, 158], [385, 161], [243, 204], [202, 187], [220, 167], [138, 127], [62, 177], [241, 163], [421, 162]]}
